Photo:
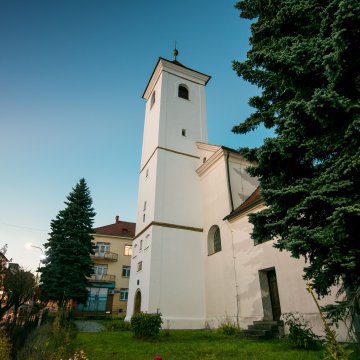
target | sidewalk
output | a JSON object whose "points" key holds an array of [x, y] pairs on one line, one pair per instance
{"points": [[88, 326]]}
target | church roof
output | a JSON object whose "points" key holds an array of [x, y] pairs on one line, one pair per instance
{"points": [[119, 228], [175, 62], [253, 200]]}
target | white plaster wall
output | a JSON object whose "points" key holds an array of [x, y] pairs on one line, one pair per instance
{"points": [[242, 184], [215, 194], [177, 187], [151, 124], [177, 286], [289, 272], [177, 114], [147, 192], [204, 154], [143, 276]]}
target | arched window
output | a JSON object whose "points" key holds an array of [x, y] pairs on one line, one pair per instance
{"points": [[183, 92], [137, 302], [214, 240], [152, 101]]}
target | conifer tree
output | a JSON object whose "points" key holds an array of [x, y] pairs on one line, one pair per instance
{"points": [[305, 58], [68, 263]]}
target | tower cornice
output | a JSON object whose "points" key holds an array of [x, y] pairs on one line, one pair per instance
{"points": [[175, 68]]}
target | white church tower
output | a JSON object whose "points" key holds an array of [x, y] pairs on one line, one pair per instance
{"points": [[167, 267]]}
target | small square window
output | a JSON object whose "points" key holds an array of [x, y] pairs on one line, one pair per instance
{"points": [[125, 271], [183, 132], [128, 250], [139, 266]]}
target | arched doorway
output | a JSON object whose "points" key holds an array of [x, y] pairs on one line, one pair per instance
{"points": [[137, 303]]}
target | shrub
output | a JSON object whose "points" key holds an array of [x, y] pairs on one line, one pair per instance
{"points": [[5, 346], [52, 341], [118, 324], [228, 328], [146, 325], [301, 335]]}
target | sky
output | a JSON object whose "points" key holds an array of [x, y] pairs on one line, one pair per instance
{"points": [[72, 73]]}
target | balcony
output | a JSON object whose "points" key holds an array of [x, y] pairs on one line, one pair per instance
{"points": [[107, 255], [102, 278]]}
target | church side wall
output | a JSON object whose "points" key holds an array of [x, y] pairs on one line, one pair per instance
{"points": [[251, 260], [219, 274]]}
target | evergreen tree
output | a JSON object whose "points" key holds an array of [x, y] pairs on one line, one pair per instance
{"points": [[68, 264], [305, 58]]}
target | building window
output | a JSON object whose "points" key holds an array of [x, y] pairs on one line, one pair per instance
{"points": [[217, 240], [125, 271], [183, 92], [143, 217], [102, 247], [214, 240], [152, 100], [141, 245], [128, 250], [147, 173], [100, 272], [124, 293], [139, 266], [183, 132], [144, 205]]}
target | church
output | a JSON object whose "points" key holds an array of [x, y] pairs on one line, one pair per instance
{"points": [[193, 259]]}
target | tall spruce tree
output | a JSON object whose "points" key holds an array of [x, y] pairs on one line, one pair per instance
{"points": [[68, 264], [305, 58]]}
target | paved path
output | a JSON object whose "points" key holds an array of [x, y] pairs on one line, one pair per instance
{"points": [[88, 326]]}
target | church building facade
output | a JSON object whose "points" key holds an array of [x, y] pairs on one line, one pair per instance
{"points": [[193, 259]]}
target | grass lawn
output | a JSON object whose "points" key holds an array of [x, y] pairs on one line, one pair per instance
{"points": [[186, 345]]}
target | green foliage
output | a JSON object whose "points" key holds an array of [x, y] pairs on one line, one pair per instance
{"points": [[333, 349], [345, 311], [301, 335], [17, 285], [305, 58], [52, 341], [5, 346], [68, 264], [118, 323], [228, 328], [146, 325]]}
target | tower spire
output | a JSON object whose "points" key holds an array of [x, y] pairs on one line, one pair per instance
{"points": [[175, 52]]}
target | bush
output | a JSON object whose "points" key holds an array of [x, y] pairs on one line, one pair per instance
{"points": [[52, 341], [118, 324], [301, 335], [5, 346], [228, 328], [146, 325]]}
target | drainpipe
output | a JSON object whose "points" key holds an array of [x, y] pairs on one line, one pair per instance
{"points": [[235, 277], [229, 182]]}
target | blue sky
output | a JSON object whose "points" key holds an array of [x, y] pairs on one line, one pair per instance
{"points": [[72, 73]]}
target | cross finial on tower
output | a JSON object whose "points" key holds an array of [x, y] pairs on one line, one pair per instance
{"points": [[175, 52]]}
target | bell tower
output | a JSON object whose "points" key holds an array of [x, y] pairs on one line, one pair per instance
{"points": [[167, 269]]}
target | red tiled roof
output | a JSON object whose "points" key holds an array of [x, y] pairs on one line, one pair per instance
{"points": [[253, 200], [119, 228]]}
